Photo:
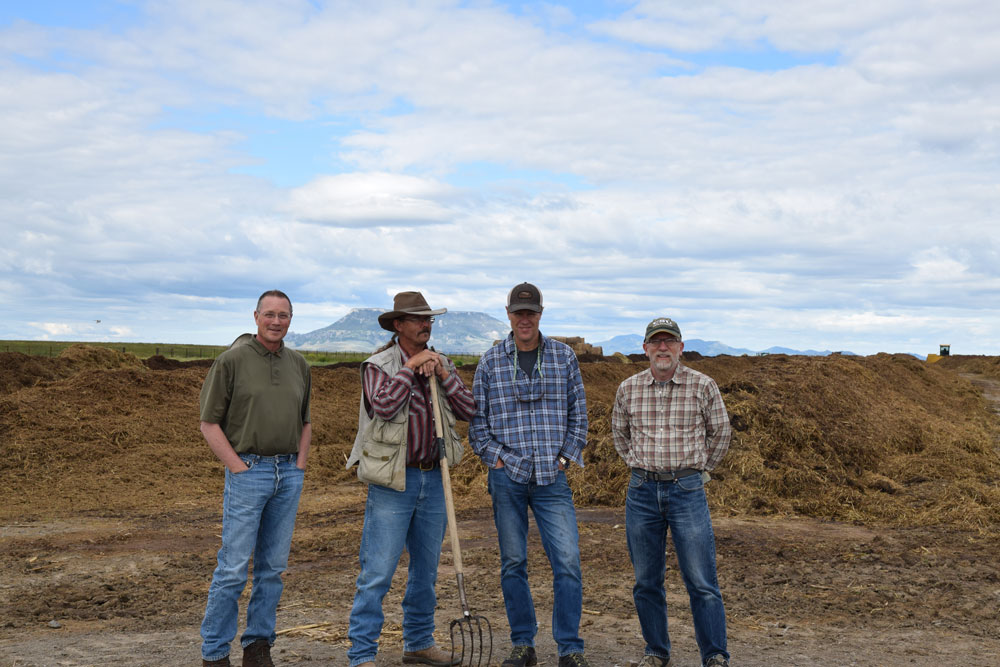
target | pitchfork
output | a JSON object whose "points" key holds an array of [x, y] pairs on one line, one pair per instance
{"points": [[474, 632]]}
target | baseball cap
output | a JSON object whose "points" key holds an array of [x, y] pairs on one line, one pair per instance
{"points": [[662, 324], [524, 297]]}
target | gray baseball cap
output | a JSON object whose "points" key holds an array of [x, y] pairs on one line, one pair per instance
{"points": [[664, 325], [524, 297]]}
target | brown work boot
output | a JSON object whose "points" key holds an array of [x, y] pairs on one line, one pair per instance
{"points": [[221, 662], [257, 654], [431, 656]]}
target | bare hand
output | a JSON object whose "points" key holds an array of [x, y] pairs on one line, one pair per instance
{"points": [[499, 464], [427, 363]]}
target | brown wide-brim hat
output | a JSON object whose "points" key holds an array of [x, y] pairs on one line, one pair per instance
{"points": [[407, 303]]}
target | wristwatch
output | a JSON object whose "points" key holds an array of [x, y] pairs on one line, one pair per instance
{"points": [[563, 461]]}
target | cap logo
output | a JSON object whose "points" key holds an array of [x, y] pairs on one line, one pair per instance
{"points": [[524, 295]]}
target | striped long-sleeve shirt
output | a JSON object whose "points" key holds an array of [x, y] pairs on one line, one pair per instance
{"points": [[388, 395], [669, 426]]}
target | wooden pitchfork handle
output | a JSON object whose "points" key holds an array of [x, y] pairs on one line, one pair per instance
{"points": [[449, 502]]}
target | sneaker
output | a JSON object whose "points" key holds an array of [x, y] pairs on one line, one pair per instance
{"points": [[521, 656], [221, 662], [573, 660], [257, 654], [431, 655], [654, 661], [717, 661]]}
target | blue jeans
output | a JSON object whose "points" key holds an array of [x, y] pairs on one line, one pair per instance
{"points": [[415, 519], [258, 517], [651, 509], [552, 505]]}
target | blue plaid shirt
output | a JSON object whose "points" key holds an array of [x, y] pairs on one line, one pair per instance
{"points": [[528, 422]]}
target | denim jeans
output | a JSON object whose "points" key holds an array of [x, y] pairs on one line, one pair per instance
{"points": [[258, 517], [651, 509], [414, 519], [552, 506]]}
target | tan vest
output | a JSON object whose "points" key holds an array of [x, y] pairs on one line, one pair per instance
{"points": [[380, 445]]}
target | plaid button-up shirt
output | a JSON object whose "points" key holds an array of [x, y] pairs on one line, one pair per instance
{"points": [[527, 422], [681, 423]]}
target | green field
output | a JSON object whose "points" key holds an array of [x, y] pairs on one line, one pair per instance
{"points": [[183, 352]]}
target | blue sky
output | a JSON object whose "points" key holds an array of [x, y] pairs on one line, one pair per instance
{"points": [[811, 175]]}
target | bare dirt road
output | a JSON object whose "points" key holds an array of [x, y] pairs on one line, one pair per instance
{"points": [[130, 590]]}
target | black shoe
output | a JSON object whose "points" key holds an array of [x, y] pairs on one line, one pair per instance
{"points": [[521, 656], [573, 660], [221, 662], [257, 654], [717, 660]]}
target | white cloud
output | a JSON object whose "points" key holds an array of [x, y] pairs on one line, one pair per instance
{"points": [[621, 175], [56, 328], [363, 199]]}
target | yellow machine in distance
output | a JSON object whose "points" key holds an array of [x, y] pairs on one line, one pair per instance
{"points": [[944, 351]]}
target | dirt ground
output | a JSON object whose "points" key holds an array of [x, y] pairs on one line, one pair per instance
{"points": [[111, 521]]}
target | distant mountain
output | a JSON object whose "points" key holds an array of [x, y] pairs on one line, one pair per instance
{"points": [[808, 353], [626, 344], [632, 344], [455, 332], [464, 332]]}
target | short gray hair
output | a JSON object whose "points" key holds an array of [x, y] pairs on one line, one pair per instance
{"points": [[278, 293]]}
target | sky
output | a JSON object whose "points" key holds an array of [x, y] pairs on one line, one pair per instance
{"points": [[813, 175]]}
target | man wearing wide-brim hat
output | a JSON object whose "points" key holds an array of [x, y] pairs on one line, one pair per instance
{"points": [[397, 457]]}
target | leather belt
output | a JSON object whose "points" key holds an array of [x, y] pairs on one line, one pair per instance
{"points": [[666, 475], [424, 465]]}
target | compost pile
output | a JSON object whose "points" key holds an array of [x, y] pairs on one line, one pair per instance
{"points": [[880, 439]]}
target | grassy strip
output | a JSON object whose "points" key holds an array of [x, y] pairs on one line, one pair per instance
{"points": [[52, 348], [185, 352]]}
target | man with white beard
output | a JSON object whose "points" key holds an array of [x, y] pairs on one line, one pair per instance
{"points": [[670, 425]]}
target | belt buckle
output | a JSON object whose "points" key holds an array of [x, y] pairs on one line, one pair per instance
{"points": [[426, 465]]}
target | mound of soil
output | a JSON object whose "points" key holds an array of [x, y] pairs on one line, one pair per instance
{"points": [[853, 486], [882, 439], [160, 363], [964, 363]]}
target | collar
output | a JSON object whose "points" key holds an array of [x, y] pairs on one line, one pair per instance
{"points": [[510, 347], [259, 348], [678, 376]]}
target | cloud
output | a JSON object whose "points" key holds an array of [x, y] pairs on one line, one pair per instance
{"points": [[56, 328], [367, 199], [761, 170]]}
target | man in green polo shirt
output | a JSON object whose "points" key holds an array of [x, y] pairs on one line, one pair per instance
{"points": [[255, 418]]}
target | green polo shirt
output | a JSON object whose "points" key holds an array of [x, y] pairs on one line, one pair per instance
{"points": [[259, 398]]}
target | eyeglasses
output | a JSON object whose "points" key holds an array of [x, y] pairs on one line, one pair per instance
{"points": [[418, 318], [656, 343]]}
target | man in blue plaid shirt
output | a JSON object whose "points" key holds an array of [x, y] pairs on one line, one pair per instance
{"points": [[531, 421]]}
